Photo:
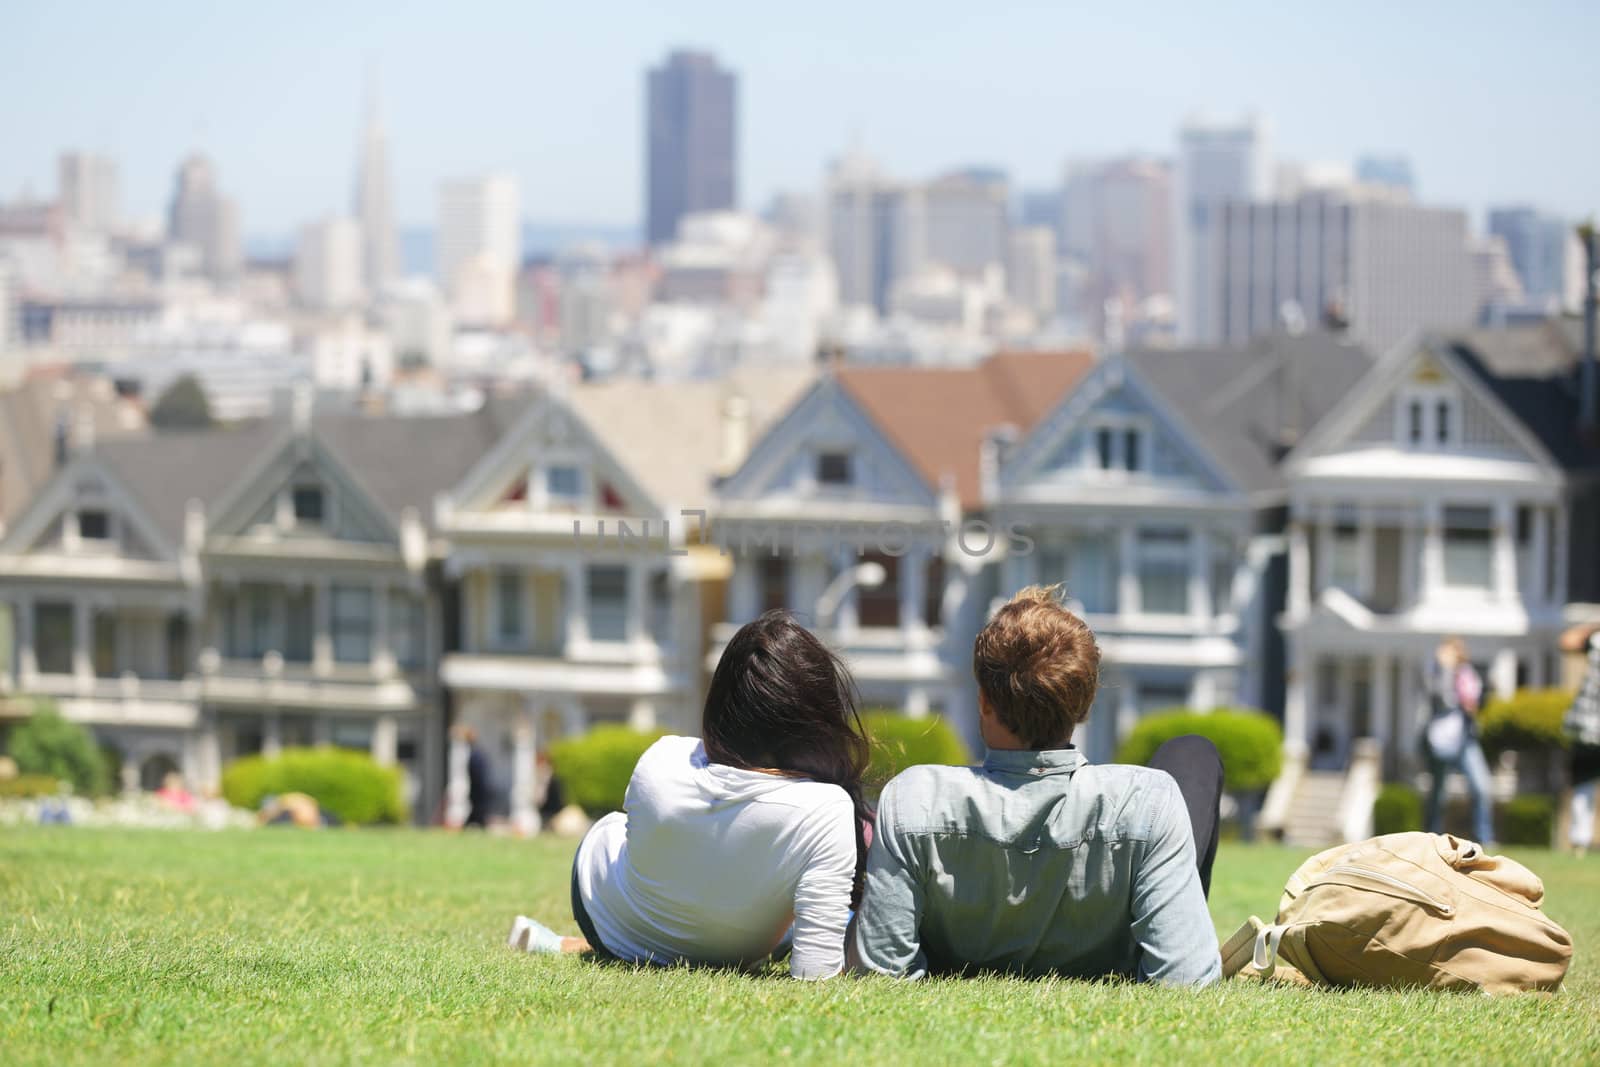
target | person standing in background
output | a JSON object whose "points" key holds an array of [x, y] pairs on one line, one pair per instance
{"points": [[1450, 738], [1582, 727]]}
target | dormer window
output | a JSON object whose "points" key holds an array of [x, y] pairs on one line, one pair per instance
{"points": [[833, 468], [1118, 445], [94, 525], [563, 485], [310, 505], [1429, 416]]}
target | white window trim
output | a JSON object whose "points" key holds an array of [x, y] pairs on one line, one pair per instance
{"points": [[1430, 397]]}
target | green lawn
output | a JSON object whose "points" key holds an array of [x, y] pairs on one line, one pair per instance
{"points": [[291, 947]]}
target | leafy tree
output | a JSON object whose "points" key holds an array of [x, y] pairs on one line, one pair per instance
{"points": [[50, 745], [183, 406]]}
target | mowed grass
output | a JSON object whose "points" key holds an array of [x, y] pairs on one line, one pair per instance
{"points": [[340, 946]]}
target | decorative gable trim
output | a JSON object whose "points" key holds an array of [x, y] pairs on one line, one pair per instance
{"points": [[1077, 408], [59, 496], [548, 430], [1372, 406], [826, 401], [259, 488]]}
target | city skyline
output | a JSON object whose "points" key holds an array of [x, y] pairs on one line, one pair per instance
{"points": [[285, 149]]}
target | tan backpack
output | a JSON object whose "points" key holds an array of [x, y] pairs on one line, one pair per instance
{"points": [[1407, 910]]}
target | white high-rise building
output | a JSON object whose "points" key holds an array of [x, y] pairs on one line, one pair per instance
{"points": [[380, 244], [205, 220], [1031, 271], [86, 185], [479, 246], [874, 232], [1218, 163], [968, 220], [1382, 267], [1541, 247], [327, 264]]}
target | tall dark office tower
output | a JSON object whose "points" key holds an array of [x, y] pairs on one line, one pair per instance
{"points": [[692, 124]]}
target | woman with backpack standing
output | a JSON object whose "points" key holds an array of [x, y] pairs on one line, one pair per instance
{"points": [[1450, 738], [1582, 727]]}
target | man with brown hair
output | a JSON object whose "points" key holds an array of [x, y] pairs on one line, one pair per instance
{"points": [[1037, 862]]}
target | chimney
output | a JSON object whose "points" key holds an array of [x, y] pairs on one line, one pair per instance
{"points": [[992, 455]]}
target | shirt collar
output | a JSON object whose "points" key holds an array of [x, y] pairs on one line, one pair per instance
{"points": [[1033, 761]]}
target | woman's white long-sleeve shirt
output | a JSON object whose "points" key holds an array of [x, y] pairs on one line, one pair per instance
{"points": [[710, 864]]}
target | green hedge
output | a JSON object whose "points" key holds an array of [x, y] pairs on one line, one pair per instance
{"points": [[49, 745], [899, 742], [1529, 719], [1528, 820], [595, 767], [348, 784], [1250, 742], [1397, 810]]}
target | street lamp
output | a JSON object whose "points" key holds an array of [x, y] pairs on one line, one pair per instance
{"points": [[868, 575]]}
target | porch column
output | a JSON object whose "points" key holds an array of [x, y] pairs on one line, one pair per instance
{"points": [[642, 714], [917, 702], [82, 660], [1299, 570], [208, 763], [385, 740], [27, 658], [1505, 551], [913, 583], [382, 646], [577, 605], [1128, 570], [321, 627], [1539, 592], [524, 816], [457, 802], [1366, 552], [1432, 549], [1382, 698], [1408, 720], [1200, 575], [271, 734], [636, 628], [846, 617], [1503, 673], [1294, 700], [1127, 707]]}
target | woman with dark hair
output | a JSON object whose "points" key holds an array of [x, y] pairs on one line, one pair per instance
{"points": [[729, 840]]}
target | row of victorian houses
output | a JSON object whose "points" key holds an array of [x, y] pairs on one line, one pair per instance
{"points": [[1292, 526]]}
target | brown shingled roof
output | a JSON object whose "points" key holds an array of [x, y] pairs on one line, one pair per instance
{"points": [[938, 416]]}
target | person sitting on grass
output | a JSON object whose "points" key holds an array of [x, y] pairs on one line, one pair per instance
{"points": [[1038, 862], [726, 842]]}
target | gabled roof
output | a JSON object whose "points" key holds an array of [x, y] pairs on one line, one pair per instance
{"points": [[1246, 405], [1533, 370], [670, 435], [29, 415], [938, 417]]}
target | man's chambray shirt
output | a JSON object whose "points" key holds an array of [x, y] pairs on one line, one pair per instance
{"points": [[1035, 863]]}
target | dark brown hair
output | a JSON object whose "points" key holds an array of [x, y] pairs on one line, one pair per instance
{"points": [[1038, 665], [780, 701]]}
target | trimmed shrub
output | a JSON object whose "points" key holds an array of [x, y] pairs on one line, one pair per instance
{"points": [[1528, 820], [595, 767], [899, 742], [345, 783], [1397, 810], [1250, 742], [30, 785], [1528, 720], [49, 745]]}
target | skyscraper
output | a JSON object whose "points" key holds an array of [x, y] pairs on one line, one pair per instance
{"points": [[373, 207], [1217, 163], [327, 264], [479, 246], [691, 150], [201, 217], [86, 185], [1382, 266], [1539, 247]]}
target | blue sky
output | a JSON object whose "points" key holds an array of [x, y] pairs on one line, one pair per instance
{"points": [[1491, 102]]}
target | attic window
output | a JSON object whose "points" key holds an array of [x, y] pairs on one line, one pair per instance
{"points": [[1429, 417], [833, 468], [94, 525], [563, 484], [310, 507]]}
